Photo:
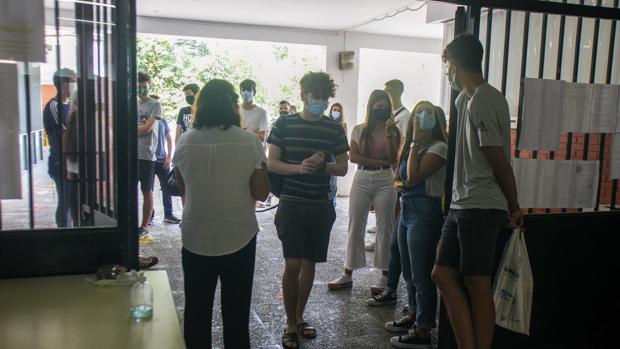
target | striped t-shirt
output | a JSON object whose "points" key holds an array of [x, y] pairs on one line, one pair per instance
{"points": [[299, 139]]}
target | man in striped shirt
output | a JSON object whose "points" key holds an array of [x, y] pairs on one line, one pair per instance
{"points": [[299, 144], [55, 116]]}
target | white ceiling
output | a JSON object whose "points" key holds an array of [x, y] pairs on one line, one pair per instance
{"points": [[312, 14]]}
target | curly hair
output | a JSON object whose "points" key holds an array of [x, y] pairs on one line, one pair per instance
{"points": [[319, 84]]}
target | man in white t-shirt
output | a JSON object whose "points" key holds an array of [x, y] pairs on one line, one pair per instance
{"points": [[254, 118], [395, 89]]}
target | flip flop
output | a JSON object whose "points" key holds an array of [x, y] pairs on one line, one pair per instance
{"points": [[303, 328], [290, 338]]}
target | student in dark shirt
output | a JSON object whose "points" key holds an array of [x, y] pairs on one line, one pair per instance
{"points": [[299, 145], [184, 119], [55, 116]]}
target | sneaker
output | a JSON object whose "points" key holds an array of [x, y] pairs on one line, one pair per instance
{"points": [[147, 262], [400, 326], [142, 233], [370, 247], [380, 286], [342, 282], [411, 340], [385, 298], [172, 219], [372, 230]]}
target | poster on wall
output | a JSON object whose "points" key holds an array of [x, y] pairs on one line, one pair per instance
{"points": [[22, 32], [556, 183], [10, 177]]}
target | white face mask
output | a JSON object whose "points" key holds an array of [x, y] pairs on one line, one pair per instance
{"points": [[336, 115]]}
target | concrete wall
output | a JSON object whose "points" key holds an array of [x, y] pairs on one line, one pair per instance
{"points": [[334, 42]]}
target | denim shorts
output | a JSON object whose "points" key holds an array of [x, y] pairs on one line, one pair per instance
{"points": [[468, 240]]}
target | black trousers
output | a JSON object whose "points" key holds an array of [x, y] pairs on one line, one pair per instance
{"points": [[236, 273]]}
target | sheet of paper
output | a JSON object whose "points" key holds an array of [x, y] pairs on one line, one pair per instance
{"points": [[556, 183], [577, 104], [586, 183], [10, 179], [22, 30], [604, 108], [542, 110], [615, 156]]}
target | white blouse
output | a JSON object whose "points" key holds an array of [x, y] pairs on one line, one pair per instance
{"points": [[219, 213]]}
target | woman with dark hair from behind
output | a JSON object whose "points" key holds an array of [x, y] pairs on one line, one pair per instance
{"points": [[336, 113], [421, 177], [221, 171]]}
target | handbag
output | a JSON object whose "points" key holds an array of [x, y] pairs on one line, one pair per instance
{"points": [[171, 185]]}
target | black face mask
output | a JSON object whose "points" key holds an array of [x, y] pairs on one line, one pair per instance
{"points": [[190, 100], [381, 114]]}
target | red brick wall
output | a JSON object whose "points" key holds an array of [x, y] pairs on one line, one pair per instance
{"points": [[577, 154]]}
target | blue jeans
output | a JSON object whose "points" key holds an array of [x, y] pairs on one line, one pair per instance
{"points": [[162, 175], [394, 267], [66, 207], [419, 231]]}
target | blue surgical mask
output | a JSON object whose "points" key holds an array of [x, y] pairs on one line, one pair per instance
{"points": [[336, 115], [316, 106], [247, 96], [426, 121]]}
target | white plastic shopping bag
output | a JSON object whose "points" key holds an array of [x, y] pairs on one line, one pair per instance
{"points": [[514, 286]]}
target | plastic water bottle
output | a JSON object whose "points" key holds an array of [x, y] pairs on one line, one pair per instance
{"points": [[142, 300]]}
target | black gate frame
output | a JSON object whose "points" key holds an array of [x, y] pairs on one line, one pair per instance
{"points": [[574, 256], [40, 252]]}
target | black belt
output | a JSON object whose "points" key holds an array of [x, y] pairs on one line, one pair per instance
{"points": [[373, 167]]}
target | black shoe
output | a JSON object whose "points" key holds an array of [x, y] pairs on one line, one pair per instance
{"points": [[411, 340], [387, 297], [147, 262], [402, 325], [172, 219]]}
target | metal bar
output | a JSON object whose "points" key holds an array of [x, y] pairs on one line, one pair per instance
{"points": [[61, 110], [601, 151], [487, 47], [473, 17], [597, 27], [558, 65], [126, 133], [29, 137], [526, 37], [99, 126], [569, 140], [549, 7], [541, 62], [108, 127], [506, 51]]}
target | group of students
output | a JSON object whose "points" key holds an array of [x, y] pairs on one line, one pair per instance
{"points": [[222, 170]]}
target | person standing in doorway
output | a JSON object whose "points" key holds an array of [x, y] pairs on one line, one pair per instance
{"points": [[221, 170], [394, 89], [55, 115], [337, 114], [484, 197], [184, 118], [162, 169], [374, 148], [284, 108], [299, 145], [149, 113], [253, 117], [421, 180]]}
